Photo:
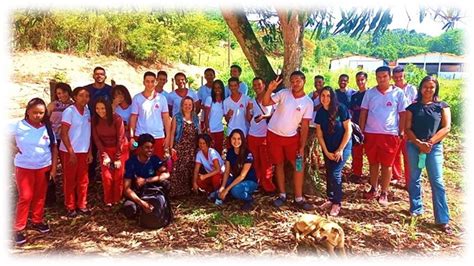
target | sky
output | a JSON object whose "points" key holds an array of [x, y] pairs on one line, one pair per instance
{"points": [[400, 21]]}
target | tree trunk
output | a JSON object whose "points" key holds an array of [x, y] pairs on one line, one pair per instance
{"points": [[292, 29], [253, 50]]}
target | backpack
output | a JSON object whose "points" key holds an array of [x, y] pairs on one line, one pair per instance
{"points": [[357, 135], [162, 215]]}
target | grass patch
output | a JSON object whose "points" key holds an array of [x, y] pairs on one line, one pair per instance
{"points": [[245, 220]]}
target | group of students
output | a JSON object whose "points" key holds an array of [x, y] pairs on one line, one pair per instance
{"points": [[139, 142]]}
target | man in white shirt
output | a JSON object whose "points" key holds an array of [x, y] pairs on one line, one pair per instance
{"points": [[150, 115], [284, 142], [382, 119], [205, 91], [235, 72], [410, 95], [237, 108]]}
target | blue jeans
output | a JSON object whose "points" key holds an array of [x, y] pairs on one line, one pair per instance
{"points": [[334, 175], [243, 190], [434, 167]]}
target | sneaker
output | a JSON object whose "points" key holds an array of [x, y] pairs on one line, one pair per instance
{"points": [[394, 181], [383, 199], [248, 206], [335, 210], [446, 229], [84, 211], [304, 205], [325, 205], [212, 196], [41, 227], [20, 238], [278, 202], [71, 213], [371, 194]]}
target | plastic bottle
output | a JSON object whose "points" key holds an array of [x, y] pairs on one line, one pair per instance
{"points": [[421, 160], [299, 162]]}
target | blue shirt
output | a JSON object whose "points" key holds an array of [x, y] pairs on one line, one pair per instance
{"points": [[105, 92], [354, 106], [345, 97], [322, 118], [232, 159], [134, 168]]}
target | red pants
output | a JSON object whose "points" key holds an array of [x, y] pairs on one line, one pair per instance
{"points": [[281, 148], [261, 162], [76, 180], [112, 179], [357, 159], [218, 139], [31, 185], [397, 163], [158, 148], [210, 184]]}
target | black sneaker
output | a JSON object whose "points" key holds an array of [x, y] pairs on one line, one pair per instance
{"points": [[41, 227], [20, 238], [304, 205], [71, 214], [278, 202], [84, 211]]}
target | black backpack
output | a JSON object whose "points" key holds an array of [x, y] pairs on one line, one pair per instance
{"points": [[162, 215], [357, 135]]}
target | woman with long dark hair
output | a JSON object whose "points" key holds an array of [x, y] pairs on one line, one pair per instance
{"points": [[62, 100], [334, 131], [428, 122], [108, 133], [35, 163], [239, 176], [213, 114]]}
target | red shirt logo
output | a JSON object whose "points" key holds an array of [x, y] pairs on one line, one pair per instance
{"points": [[298, 109], [389, 104], [157, 106], [241, 106], [45, 137]]}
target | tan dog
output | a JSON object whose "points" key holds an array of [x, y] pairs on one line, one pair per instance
{"points": [[323, 231]]}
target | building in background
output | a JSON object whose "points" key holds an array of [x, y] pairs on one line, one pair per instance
{"points": [[447, 66], [358, 62]]}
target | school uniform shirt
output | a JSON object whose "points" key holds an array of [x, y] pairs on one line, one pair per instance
{"points": [[383, 110], [124, 113], [79, 129], [259, 129], [426, 119], [216, 113], [149, 113], [410, 93], [232, 159], [134, 168], [243, 88], [204, 92], [316, 102], [356, 101], [289, 113], [207, 162], [238, 118], [345, 97], [34, 146], [332, 141], [175, 100]]}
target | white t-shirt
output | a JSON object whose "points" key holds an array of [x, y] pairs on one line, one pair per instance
{"points": [[203, 92], [410, 93], [149, 113], [34, 146], [243, 88], [259, 129], [166, 94], [79, 129], [238, 118], [216, 113], [383, 110], [316, 102], [175, 100], [289, 113], [124, 113], [207, 163]]}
